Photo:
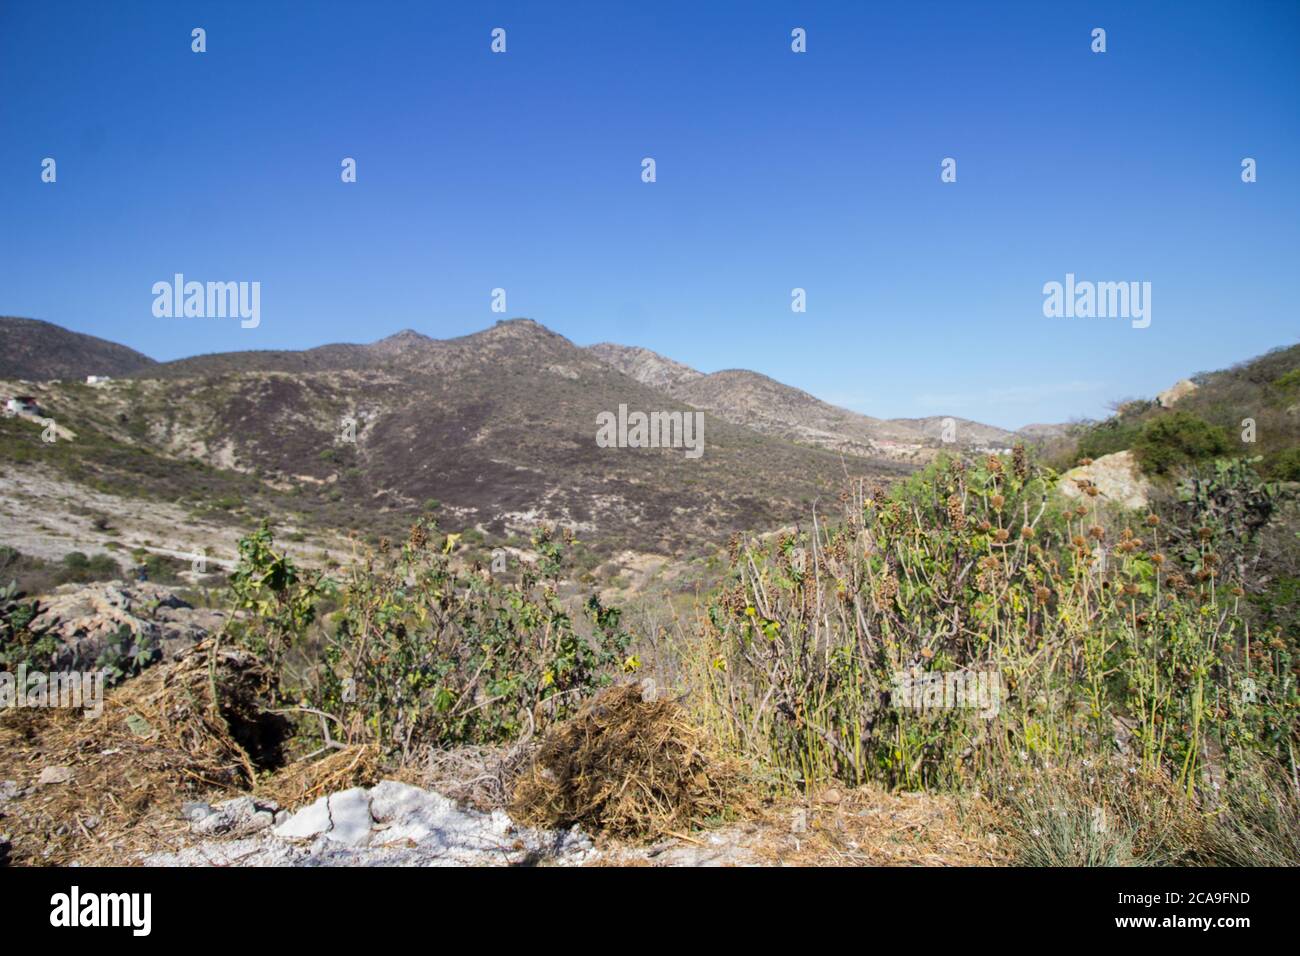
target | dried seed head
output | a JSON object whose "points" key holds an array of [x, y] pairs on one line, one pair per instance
{"points": [[955, 513], [1020, 461]]}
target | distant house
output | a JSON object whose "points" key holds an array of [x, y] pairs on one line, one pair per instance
{"points": [[97, 379], [22, 405]]}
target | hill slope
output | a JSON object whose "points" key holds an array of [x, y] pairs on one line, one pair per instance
{"points": [[498, 427], [756, 401], [39, 351], [1264, 391]]}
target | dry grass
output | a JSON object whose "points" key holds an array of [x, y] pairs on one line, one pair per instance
{"points": [[628, 768], [157, 741], [481, 776], [870, 826], [306, 781]]}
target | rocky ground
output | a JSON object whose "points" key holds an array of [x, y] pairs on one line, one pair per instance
{"points": [[47, 516]]}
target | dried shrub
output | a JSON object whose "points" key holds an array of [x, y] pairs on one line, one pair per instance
{"points": [[305, 781], [158, 739], [626, 767]]}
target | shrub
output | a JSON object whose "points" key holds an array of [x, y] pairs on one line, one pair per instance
{"points": [[1176, 439], [967, 569], [1108, 437], [424, 651], [77, 568], [1284, 465]]}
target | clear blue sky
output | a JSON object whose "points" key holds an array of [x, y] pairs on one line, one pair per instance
{"points": [[775, 170]]}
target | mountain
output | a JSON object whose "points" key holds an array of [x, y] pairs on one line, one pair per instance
{"points": [[35, 351], [494, 431], [756, 401]]}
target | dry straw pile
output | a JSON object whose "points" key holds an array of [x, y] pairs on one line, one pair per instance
{"points": [[94, 789], [626, 767]]}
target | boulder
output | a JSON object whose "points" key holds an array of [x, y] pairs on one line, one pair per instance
{"points": [[1175, 393], [87, 618], [1116, 477]]}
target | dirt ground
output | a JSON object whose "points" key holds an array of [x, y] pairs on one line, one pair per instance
{"points": [[46, 516]]}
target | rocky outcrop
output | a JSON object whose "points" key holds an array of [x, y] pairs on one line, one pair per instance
{"points": [[1114, 478], [391, 824], [1176, 393], [88, 618]]}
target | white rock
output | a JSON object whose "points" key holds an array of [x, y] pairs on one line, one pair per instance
{"points": [[310, 821], [392, 824], [1117, 478], [54, 775], [350, 815]]}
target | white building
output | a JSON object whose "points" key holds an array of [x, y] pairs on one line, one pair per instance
{"points": [[21, 404]]}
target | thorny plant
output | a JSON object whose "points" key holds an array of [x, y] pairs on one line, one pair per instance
{"points": [[1104, 643]]}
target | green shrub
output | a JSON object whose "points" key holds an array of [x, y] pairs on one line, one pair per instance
{"points": [[1289, 384], [79, 569], [1284, 465], [1178, 438], [1108, 437], [422, 652], [965, 569]]}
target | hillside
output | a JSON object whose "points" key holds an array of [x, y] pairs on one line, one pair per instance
{"points": [[38, 351], [1206, 419], [494, 431], [748, 398]]}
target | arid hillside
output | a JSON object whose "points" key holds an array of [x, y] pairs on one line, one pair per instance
{"points": [[494, 431]]}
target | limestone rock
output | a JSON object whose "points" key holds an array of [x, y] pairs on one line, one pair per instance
{"points": [[85, 618], [391, 824], [1175, 393], [1116, 477], [241, 816]]}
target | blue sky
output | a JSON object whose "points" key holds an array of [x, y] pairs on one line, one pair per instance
{"points": [[775, 170]]}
